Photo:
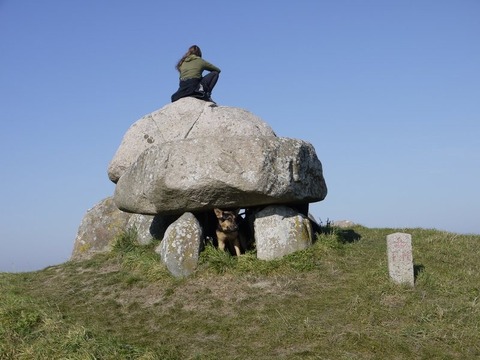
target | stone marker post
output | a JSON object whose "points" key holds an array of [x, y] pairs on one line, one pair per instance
{"points": [[400, 258]]}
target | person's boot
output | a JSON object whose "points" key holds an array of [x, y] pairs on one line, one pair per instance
{"points": [[208, 98]]}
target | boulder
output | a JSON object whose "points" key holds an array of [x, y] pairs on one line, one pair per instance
{"points": [[203, 173], [149, 227], [180, 248], [187, 118], [279, 231], [104, 222], [98, 229]]}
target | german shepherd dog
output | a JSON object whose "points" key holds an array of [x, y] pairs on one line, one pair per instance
{"points": [[228, 231]]}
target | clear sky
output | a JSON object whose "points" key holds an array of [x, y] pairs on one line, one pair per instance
{"points": [[388, 93]]}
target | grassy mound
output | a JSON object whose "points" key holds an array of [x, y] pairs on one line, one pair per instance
{"points": [[331, 301]]}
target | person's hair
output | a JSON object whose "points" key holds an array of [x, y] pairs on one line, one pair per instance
{"points": [[192, 50]]}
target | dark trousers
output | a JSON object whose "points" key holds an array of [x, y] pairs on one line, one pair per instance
{"points": [[199, 88], [209, 81]]}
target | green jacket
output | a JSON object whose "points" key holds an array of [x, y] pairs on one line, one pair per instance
{"points": [[193, 67]]}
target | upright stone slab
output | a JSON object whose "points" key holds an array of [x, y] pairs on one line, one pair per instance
{"points": [[180, 247], [149, 227], [279, 231], [98, 230], [400, 258]]}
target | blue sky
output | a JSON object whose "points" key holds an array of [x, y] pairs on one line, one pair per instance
{"points": [[388, 92]]}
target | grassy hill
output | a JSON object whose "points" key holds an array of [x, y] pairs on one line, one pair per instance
{"points": [[332, 301]]}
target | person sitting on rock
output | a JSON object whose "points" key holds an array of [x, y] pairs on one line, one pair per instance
{"points": [[191, 67]]}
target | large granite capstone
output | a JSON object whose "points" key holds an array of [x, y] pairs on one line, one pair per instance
{"points": [[205, 172]]}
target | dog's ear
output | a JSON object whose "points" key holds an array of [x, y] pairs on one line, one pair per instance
{"points": [[218, 212]]}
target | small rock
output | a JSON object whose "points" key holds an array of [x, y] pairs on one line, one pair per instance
{"points": [[343, 223]]}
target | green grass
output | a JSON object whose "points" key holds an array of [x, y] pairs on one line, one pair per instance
{"points": [[331, 301]]}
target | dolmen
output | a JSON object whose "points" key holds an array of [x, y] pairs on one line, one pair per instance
{"points": [[175, 165]]}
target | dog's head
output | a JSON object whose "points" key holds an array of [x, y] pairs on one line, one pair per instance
{"points": [[227, 220]]}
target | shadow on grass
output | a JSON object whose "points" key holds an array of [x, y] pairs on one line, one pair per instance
{"points": [[417, 270], [347, 236]]}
